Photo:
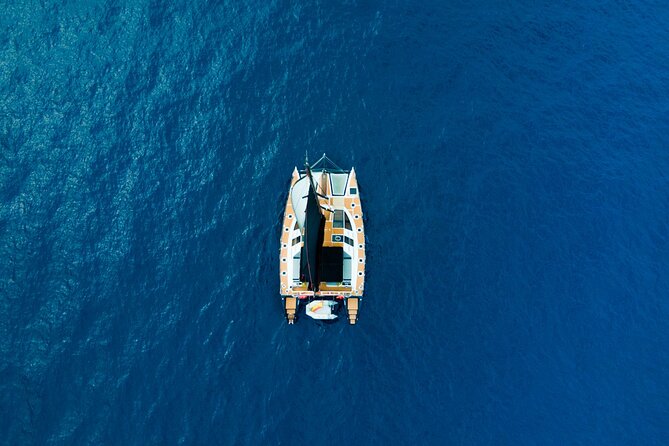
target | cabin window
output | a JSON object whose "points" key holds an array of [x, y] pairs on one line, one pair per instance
{"points": [[296, 268], [346, 268], [347, 222], [338, 219], [296, 240], [354, 190], [348, 241]]}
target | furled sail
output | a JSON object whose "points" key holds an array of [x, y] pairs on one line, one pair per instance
{"points": [[312, 233]]}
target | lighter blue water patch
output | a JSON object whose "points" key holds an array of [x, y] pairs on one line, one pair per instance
{"points": [[513, 166]]}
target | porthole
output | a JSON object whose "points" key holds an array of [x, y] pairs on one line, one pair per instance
{"points": [[283, 244], [283, 273], [290, 215], [357, 216], [283, 260], [285, 229], [359, 229], [359, 273], [352, 205], [360, 246]]}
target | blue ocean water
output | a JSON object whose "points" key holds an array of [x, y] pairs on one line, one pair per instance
{"points": [[514, 168]]}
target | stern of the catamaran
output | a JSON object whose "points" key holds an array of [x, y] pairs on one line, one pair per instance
{"points": [[290, 305], [352, 306]]}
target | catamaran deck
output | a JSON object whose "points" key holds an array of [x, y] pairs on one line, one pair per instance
{"points": [[342, 258]]}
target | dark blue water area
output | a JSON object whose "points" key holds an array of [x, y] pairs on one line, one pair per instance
{"points": [[513, 160]]}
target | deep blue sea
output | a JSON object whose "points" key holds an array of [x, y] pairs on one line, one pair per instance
{"points": [[513, 160]]}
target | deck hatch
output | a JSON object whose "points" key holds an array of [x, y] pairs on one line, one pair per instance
{"points": [[338, 183]]}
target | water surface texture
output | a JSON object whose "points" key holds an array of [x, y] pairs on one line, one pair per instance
{"points": [[513, 160]]}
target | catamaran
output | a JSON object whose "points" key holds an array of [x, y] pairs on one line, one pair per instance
{"points": [[322, 257]]}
